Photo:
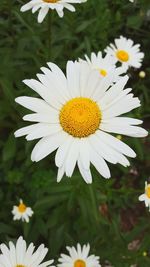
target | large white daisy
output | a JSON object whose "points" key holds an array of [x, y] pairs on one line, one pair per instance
{"points": [[78, 257], [146, 196], [45, 5], [105, 65], [74, 116], [126, 52], [20, 255], [22, 212]]}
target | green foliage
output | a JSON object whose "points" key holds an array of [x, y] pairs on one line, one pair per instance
{"points": [[106, 214]]}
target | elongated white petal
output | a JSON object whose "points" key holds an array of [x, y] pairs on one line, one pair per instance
{"points": [[86, 174], [100, 164], [46, 146], [116, 144], [72, 157]]}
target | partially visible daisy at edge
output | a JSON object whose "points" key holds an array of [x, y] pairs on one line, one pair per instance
{"points": [[125, 51], [46, 5], [78, 257], [22, 212], [146, 196], [20, 255], [105, 65], [76, 115]]}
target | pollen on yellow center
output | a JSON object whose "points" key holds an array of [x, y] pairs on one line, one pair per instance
{"points": [[79, 263], [80, 117], [147, 191], [19, 265], [22, 208], [122, 55], [50, 1], [103, 72]]}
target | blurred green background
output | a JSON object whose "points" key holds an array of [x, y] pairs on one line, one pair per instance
{"points": [[107, 214]]}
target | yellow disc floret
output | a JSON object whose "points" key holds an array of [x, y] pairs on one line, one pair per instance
{"points": [[50, 1], [80, 117], [122, 55], [79, 263], [103, 72], [147, 190], [22, 207]]}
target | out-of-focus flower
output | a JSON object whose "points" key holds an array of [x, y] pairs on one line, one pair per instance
{"points": [[74, 117], [144, 254], [45, 5], [21, 256], [126, 52], [78, 257], [105, 65], [22, 212], [142, 74], [134, 171], [146, 196], [119, 136], [134, 245]]}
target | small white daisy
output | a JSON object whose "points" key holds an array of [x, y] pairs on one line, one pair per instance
{"points": [[20, 256], [78, 258], [146, 196], [74, 116], [45, 5], [22, 212], [105, 65], [126, 52]]}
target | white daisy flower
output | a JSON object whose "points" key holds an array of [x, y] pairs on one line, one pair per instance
{"points": [[78, 257], [105, 66], [74, 116], [146, 196], [22, 212], [126, 52], [45, 5], [21, 256]]}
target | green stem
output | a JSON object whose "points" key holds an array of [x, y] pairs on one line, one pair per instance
{"points": [[49, 45], [94, 202]]}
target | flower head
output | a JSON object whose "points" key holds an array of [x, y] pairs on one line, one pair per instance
{"points": [[146, 196], [20, 256], [45, 5], [105, 65], [126, 52], [76, 115], [142, 74], [22, 212], [78, 257]]}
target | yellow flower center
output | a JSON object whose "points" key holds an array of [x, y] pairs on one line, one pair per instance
{"points": [[50, 1], [80, 117], [122, 55], [79, 263], [147, 191], [22, 208], [103, 72], [19, 265]]}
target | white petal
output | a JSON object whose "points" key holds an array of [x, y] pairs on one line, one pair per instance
{"points": [[116, 144], [72, 157], [86, 174], [34, 104], [100, 164], [43, 130], [42, 13], [46, 146]]}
